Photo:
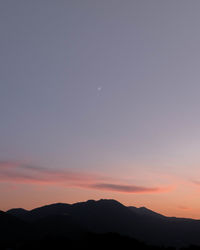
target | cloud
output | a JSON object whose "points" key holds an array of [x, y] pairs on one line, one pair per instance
{"points": [[184, 207], [197, 183], [127, 188], [19, 172], [16, 172]]}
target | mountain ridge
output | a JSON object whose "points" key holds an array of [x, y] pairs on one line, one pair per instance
{"points": [[106, 215]]}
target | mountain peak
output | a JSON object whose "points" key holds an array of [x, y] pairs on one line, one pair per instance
{"points": [[109, 201], [17, 210], [102, 202]]}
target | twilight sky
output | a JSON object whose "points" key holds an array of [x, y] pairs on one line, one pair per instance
{"points": [[100, 99]]}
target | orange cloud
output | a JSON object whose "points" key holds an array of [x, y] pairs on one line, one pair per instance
{"points": [[197, 183], [184, 207], [22, 173]]}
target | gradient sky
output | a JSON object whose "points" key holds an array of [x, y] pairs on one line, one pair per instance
{"points": [[100, 99]]}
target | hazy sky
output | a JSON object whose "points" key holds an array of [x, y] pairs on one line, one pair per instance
{"points": [[100, 99]]}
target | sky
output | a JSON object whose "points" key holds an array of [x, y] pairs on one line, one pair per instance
{"points": [[100, 99]]}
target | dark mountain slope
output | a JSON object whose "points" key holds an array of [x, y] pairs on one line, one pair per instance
{"points": [[20, 213], [40, 212], [12, 228], [111, 216], [146, 212]]}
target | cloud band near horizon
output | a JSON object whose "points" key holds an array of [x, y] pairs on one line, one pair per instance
{"points": [[22, 173]]}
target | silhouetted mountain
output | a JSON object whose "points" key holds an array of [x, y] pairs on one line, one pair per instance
{"points": [[145, 211], [12, 228], [90, 241], [19, 212], [106, 216], [41, 212]]}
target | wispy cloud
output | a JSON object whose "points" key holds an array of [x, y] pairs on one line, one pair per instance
{"points": [[182, 207], [18, 172], [23, 173], [127, 188], [197, 183]]}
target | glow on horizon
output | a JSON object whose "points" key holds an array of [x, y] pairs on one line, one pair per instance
{"points": [[29, 186], [30, 196]]}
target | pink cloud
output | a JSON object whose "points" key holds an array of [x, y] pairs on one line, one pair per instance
{"points": [[182, 207], [127, 188], [27, 173], [21, 173], [197, 183]]}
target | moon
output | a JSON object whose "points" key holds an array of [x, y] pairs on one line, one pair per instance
{"points": [[99, 88]]}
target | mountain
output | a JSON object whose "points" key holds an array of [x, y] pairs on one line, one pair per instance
{"points": [[19, 213], [104, 216], [89, 241], [146, 212], [12, 228], [37, 213]]}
